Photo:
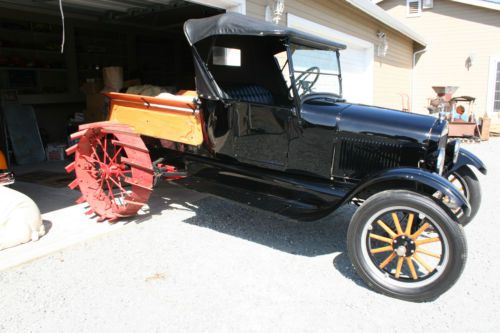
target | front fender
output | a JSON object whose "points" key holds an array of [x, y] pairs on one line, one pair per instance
{"points": [[465, 157], [410, 178]]}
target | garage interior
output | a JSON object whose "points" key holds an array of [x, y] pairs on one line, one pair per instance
{"points": [[50, 93]]}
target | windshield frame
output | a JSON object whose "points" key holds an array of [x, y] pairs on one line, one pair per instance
{"points": [[297, 97]]}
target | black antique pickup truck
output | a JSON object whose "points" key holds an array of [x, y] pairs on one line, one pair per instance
{"points": [[267, 126]]}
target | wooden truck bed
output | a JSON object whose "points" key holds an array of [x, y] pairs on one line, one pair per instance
{"points": [[175, 118]]}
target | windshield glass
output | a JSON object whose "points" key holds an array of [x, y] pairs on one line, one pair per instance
{"points": [[315, 71]]}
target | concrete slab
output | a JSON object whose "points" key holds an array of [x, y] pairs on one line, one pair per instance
{"points": [[67, 224]]}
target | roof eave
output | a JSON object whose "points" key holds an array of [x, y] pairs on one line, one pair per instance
{"points": [[480, 3], [381, 15]]}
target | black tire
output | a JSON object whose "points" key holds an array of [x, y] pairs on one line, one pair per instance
{"points": [[469, 185], [409, 284]]}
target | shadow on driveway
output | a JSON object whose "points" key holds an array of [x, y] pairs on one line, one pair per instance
{"points": [[310, 239]]}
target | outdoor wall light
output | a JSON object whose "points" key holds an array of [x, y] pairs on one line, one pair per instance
{"points": [[275, 10], [469, 60], [382, 45]]}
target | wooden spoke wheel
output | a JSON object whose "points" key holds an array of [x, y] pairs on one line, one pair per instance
{"points": [[406, 246], [113, 170], [467, 183]]}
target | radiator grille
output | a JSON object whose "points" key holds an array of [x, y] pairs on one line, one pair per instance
{"points": [[366, 155]]}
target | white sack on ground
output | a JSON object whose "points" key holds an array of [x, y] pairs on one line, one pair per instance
{"points": [[20, 219]]}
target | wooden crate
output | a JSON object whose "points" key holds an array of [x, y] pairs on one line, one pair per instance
{"points": [[460, 129]]}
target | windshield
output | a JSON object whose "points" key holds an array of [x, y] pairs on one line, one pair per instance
{"points": [[315, 70]]}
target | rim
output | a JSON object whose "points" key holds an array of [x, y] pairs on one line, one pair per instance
{"points": [[459, 183], [404, 247], [113, 171]]}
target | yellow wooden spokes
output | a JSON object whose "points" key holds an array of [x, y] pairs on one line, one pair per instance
{"points": [[382, 249], [409, 224], [427, 240], [422, 262], [393, 234], [452, 179], [420, 230], [381, 238], [387, 260], [424, 251], [387, 229], [398, 266], [397, 224], [412, 268]]}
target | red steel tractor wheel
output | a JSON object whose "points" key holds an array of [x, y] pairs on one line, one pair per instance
{"points": [[113, 170]]}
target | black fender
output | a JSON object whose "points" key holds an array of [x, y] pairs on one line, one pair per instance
{"points": [[411, 178], [465, 157]]}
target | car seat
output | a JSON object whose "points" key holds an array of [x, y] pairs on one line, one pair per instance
{"points": [[251, 94]]}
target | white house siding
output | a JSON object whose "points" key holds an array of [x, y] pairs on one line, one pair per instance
{"points": [[453, 32]]}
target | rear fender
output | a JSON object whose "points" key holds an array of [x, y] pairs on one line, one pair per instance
{"points": [[413, 179], [465, 157]]}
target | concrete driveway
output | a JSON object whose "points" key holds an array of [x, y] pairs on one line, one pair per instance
{"points": [[198, 263]]}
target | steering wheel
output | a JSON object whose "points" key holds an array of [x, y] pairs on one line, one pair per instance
{"points": [[303, 82]]}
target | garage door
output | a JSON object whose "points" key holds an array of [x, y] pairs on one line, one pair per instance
{"points": [[356, 61]]}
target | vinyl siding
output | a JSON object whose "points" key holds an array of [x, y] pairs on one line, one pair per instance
{"points": [[392, 73], [453, 32]]}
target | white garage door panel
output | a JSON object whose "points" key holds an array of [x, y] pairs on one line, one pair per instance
{"points": [[354, 67], [356, 61]]}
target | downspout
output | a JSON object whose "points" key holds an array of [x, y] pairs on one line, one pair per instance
{"points": [[413, 78]]}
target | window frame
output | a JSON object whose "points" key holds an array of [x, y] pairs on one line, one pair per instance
{"points": [[494, 75]]}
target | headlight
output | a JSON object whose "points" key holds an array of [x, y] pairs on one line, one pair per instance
{"points": [[440, 160]]}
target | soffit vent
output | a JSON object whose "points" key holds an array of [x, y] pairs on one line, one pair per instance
{"points": [[413, 8]]}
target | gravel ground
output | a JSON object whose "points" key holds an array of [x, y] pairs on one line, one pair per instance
{"points": [[229, 268]]}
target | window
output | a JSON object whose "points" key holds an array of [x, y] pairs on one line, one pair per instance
{"points": [[427, 4], [413, 8], [224, 56], [282, 61], [315, 70], [496, 99]]}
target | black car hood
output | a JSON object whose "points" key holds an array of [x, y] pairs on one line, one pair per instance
{"points": [[371, 120]]}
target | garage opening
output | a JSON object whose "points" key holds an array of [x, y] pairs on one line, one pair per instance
{"points": [[139, 45]]}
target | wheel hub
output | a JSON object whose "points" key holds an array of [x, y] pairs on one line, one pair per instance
{"points": [[404, 246], [108, 171]]}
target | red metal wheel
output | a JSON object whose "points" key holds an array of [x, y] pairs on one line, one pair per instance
{"points": [[113, 170]]}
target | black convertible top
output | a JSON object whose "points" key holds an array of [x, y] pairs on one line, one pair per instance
{"points": [[238, 24]]}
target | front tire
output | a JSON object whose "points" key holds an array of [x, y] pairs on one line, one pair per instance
{"points": [[465, 180], [406, 246]]}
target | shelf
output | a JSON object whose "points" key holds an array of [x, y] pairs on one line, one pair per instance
{"points": [[33, 69], [51, 98], [18, 49], [31, 32], [104, 54]]}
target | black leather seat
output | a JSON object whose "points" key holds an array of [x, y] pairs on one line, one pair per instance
{"points": [[251, 94]]}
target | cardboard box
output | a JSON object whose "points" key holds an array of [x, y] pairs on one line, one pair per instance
{"points": [[95, 109], [485, 128], [55, 151], [92, 87]]}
